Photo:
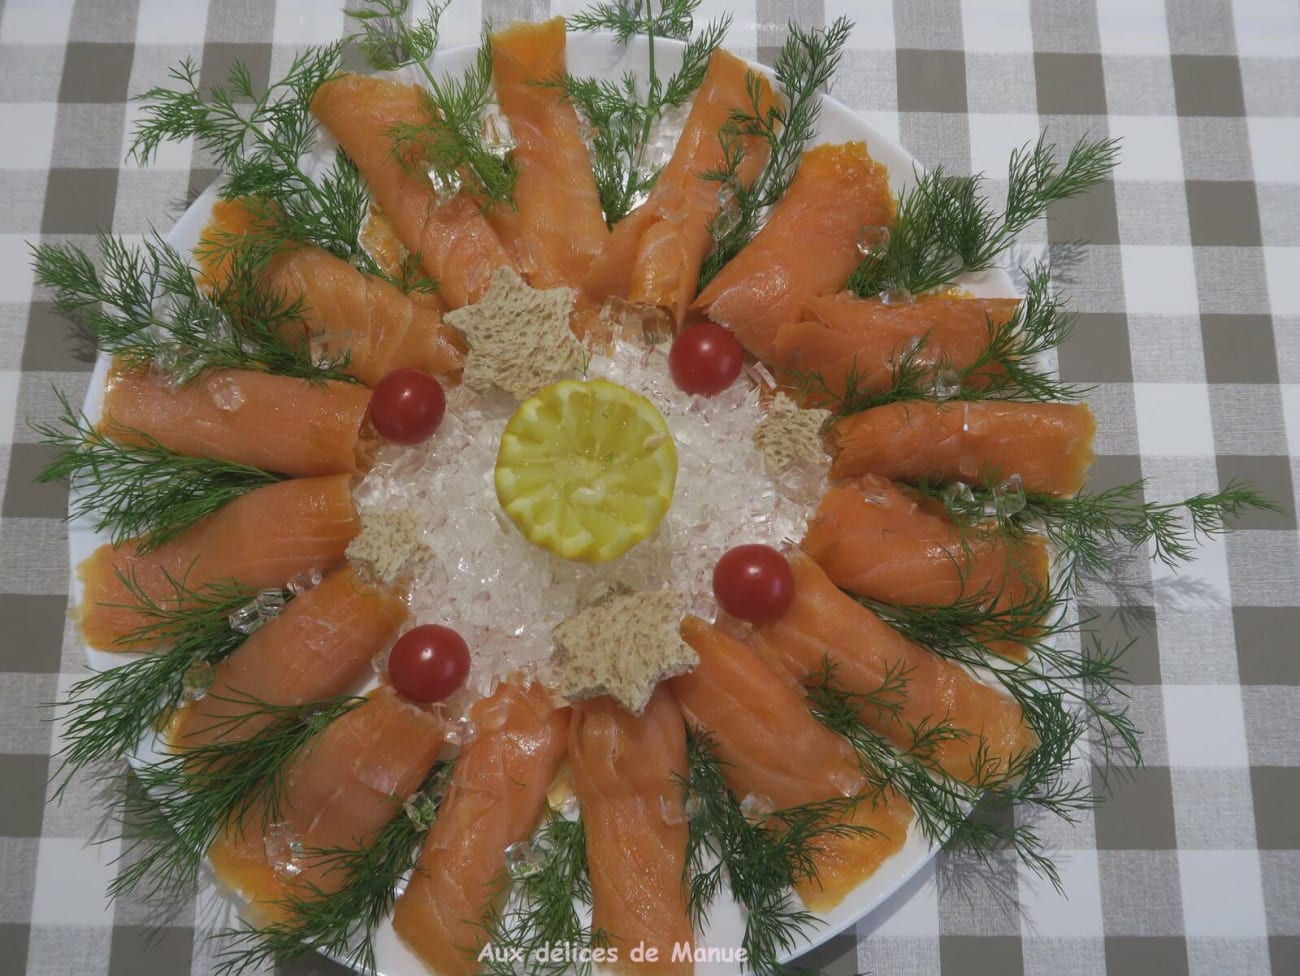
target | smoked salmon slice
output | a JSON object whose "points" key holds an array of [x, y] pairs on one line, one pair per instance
{"points": [[628, 773], [826, 626], [318, 647], [979, 441], [556, 228], [849, 341], [261, 539], [655, 253], [277, 423], [495, 799], [344, 311], [771, 746], [875, 540], [809, 245], [337, 793], [456, 245]]}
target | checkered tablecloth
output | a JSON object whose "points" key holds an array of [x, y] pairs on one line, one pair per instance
{"points": [[1189, 288]]}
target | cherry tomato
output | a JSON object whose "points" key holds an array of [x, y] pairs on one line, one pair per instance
{"points": [[705, 359], [407, 406], [428, 663], [754, 583]]}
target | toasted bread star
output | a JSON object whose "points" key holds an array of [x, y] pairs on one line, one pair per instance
{"points": [[519, 337], [788, 434], [623, 647]]}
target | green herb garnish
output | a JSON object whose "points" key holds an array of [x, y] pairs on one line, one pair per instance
{"points": [[945, 226], [804, 67]]}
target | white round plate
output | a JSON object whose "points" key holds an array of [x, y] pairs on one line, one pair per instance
{"points": [[601, 56]]}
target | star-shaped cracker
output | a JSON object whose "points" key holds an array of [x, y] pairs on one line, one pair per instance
{"points": [[623, 647], [519, 337], [788, 434], [388, 545]]}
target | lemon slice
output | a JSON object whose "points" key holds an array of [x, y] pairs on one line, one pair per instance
{"points": [[586, 469]]}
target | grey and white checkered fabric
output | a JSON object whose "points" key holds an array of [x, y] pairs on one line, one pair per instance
{"points": [[1189, 288]]}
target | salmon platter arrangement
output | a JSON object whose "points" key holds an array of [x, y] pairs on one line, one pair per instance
{"points": [[583, 502]]}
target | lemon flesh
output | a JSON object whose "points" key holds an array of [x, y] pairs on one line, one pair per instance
{"points": [[586, 469]]}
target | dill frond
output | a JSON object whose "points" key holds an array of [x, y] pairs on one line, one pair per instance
{"points": [[450, 141], [147, 307], [803, 69], [341, 922], [946, 227], [109, 713], [139, 490], [187, 798], [621, 114]]}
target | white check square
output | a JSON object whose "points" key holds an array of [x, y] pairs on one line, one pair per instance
{"points": [[1222, 893], [1071, 913], [302, 22], [1150, 148], [170, 22], [994, 137], [1159, 279], [36, 21], [1173, 419], [1266, 28], [1132, 27], [1000, 26], [72, 876], [1282, 269], [1205, 727], [32, 124], [1274, 149]]}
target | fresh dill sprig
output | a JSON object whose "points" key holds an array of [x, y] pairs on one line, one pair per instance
{"points": [[621, 114], [363, 882], [941, 804], [187, 798], [1090, 528], [542, 912], [141, 489], [260, 140], [108, 714], [759, 862], [946, 227], [1008, 368], [148, 309], [450, 140], [804, 67]]}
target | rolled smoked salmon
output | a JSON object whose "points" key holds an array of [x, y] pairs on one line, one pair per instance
{"points": [[770, 745], [337, 793], [628, 772], [344, 311], [495, 799], [456, 245], [261, 539], [845, 337], [980, 441], [875, 540], [277, 423], [825, 625], [317, 647], [655, 253], [808, 246], [556, 228]]}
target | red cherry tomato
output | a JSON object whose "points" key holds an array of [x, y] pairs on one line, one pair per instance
{"points": [[705, 359], [754, 583], [407, 406], [428, 663]]}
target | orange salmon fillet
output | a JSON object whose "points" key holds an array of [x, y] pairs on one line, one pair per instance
{"points": [[875, 540], [337, 793], [770, 745], [808, 246], [496, 797], [456, 245], [556, 228], [344, 310], [980, 441], [318, 647], [824, 624], [628, 772], [261, 539], [655, 252], [279, 423], [847, 337]]}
